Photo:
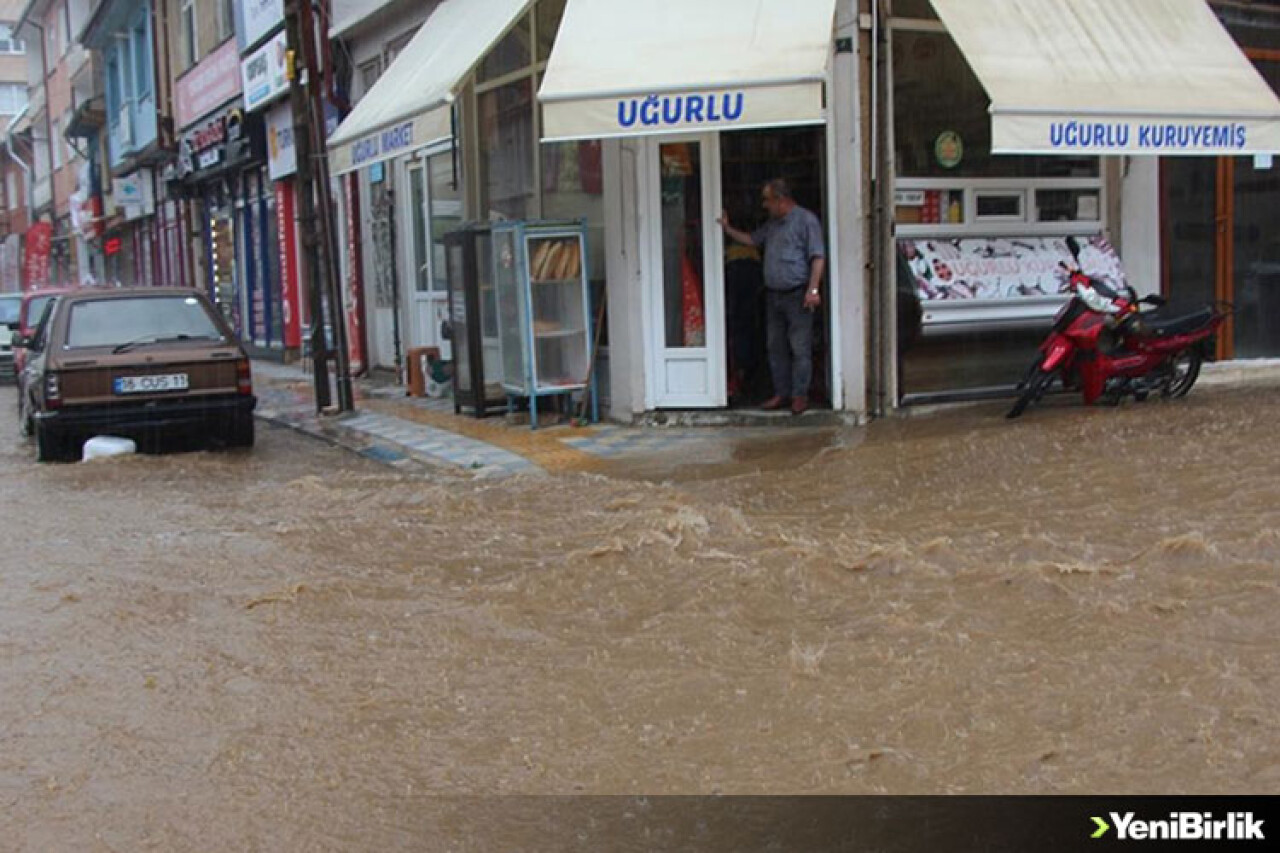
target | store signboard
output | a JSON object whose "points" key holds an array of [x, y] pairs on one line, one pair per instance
{"points": [[209, 85], [282, 158], [36, 263], [287, 246], [263, 73], [976, 269], [256, 18]]}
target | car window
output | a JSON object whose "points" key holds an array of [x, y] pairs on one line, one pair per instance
{"points": [[9, 307], [42, 324], [35, 309], [116, 321]]}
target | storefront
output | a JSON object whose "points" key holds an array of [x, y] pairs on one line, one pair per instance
{"points": [[1012, 126], [1220, 235], [221, 165], [535, 91]]}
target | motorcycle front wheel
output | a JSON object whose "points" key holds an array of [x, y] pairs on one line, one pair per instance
{"points": [[1034, 386], [1184, 369]]}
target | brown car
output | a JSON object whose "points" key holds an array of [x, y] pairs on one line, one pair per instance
{"points": [[133, 362]]}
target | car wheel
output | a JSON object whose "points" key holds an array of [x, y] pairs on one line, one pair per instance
{"points": [[52, 447]]}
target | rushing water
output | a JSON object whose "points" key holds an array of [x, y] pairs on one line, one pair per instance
{"points": [[294, 648]]}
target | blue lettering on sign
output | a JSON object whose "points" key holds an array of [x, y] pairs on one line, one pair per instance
{"points": [[1080, 135], [674, 110], [374, 147]]}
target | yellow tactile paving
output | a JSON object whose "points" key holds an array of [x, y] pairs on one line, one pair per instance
{"points": [[538, 446]]}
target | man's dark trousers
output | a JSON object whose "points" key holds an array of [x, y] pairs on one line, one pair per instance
{"points": [[790, 342]]}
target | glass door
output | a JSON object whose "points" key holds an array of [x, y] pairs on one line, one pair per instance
{"points": [[423, 324], [685, 274]]}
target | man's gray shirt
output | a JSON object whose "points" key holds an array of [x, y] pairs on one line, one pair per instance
{"points": [[789, 244]]}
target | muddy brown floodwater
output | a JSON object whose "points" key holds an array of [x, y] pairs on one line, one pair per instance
{"points": [[295, 649]]}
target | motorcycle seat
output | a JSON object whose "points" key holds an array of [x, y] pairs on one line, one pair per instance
{"points": [[1163, 323]]}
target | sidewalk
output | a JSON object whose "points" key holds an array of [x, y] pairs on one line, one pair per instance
{"points": [[411, 431]]}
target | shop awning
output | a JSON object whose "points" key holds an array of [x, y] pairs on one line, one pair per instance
{"points": [[632, 67], [409, 106], [1113, 77]]}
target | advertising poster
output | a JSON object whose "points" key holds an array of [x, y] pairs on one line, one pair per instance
{"points": [[1004, 267], [36, 264]]}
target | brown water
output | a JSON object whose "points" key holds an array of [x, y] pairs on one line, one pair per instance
{"points": [[294, 648]]}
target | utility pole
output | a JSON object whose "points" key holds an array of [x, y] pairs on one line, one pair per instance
{"points": [[315, 207]]}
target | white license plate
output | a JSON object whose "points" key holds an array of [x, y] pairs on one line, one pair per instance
{"points": [[151, 384]]}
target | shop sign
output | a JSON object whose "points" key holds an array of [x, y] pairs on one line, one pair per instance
{"points": [[665, 112], [256, 18], [382, 145], [36, 264], [133, 195], [209, 85], [948, 148], [1003, 268], [263, 73], [1063, 134], [212, 144], [282, 156], [353, 303], [287, 246]]}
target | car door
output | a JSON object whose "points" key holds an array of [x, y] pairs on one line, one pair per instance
{"points": [[30, 383]]}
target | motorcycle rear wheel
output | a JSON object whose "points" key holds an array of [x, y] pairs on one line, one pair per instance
{"points": [[1033, 388], [1184, 369]]}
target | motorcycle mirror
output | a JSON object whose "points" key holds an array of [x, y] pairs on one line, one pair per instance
{"points": [[1073, 247]]}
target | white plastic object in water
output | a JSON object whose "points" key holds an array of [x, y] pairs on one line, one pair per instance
{"points": [[108, 445]]}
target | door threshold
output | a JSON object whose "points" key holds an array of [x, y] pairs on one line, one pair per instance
{"points": [[743, 418]]}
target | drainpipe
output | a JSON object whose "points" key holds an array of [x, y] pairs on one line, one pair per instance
{"points": [[22, 164]]}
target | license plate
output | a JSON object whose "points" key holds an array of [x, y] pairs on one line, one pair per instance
{"points": [[151, 384]]}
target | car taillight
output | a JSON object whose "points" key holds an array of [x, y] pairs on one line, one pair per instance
{"points": [[52, 391], [244, 377]]}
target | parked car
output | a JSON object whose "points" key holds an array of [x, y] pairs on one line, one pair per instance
{"points": [[133, 362], [31, 307], [10, 305]]}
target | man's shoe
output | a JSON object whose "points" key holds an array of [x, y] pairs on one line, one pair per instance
{"points": [[773, 404], [799, 405]]}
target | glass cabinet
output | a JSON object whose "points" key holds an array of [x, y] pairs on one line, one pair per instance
{"points": [[543, 307], [519, 309]]}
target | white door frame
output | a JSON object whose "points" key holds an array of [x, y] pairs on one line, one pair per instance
{"points": [[421, 308], [660, 359]]}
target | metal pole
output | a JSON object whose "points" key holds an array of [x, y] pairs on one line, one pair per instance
{"points": [[307, 202], [319, 169]]}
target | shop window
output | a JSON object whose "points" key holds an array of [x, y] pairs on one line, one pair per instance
{"points": [[190, 33], [549, 15], [446, 214], [998, 206], [942, 127], [506, 151], [511, 54], [919, 9], [141, 59]]}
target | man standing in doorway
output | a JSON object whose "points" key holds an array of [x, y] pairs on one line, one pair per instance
{"points": [[794, 260]]}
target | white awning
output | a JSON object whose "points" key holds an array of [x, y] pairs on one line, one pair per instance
{"points": [[1113, 77], [631, 67], [409, 106]]}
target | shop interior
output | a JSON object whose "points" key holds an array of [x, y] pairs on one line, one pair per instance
{"points": [[749, 159]]}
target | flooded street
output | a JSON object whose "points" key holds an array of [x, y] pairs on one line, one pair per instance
{"points": [[294, 648]]}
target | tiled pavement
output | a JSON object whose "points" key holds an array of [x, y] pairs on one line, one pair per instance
{"points": [[393, 428]]}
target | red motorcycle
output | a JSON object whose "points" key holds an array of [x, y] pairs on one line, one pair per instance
{"points": [[1104, 344]]}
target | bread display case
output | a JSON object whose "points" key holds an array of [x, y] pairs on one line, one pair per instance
{"points": [[543, 307], [519, 309]]}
